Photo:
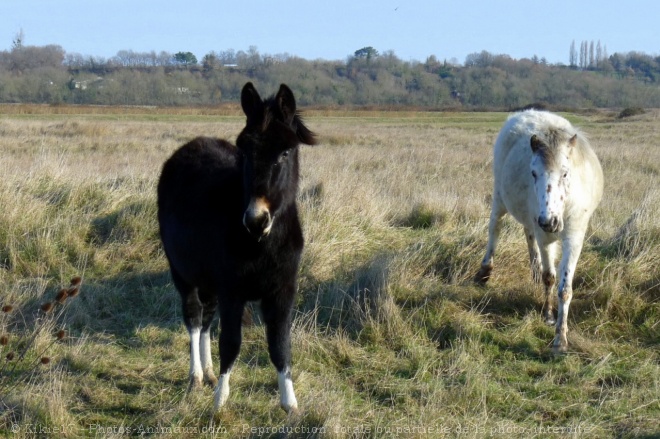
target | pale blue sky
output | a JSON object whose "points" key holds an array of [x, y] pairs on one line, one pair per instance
{"points": [[332, 30]]}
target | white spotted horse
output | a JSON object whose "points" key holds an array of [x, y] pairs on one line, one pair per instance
{"points": [[549, 179]]}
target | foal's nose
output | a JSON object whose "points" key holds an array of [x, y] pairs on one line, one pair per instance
{"points": [[257, 218], [550, 225]]}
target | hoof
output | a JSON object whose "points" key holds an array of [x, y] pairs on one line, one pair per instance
{"points": [[221, 393], [195, 383], [210, 379], [560, 350], [550, 321], [290, 409], [219, 400], [483, 275]]}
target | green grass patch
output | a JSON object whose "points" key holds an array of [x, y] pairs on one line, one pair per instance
{"points": [[391, 337]]}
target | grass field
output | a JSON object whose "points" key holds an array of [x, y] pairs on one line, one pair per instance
{"points": [[390, 338]]}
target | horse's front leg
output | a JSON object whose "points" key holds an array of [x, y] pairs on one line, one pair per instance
{"points": [[571, 249], [548, 250], [277, 311]]}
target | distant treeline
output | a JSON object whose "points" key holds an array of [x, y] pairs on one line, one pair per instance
{"points": [[31, 74]]}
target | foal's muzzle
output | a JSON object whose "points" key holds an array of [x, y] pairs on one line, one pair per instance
{"points": [[257, 218]]}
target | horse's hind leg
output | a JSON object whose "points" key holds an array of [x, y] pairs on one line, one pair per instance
{"points": [[231, 313], [210, 303], [494, 228], [192, 317], [277, 316], [534, 255]]}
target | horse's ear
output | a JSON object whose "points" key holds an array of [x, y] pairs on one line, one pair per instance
{"points": [[251, 102], [535, 143], [572, 141], [286, 103]]}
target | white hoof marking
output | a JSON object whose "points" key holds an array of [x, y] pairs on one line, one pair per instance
{"points": [[287, 396], [222, 391]]}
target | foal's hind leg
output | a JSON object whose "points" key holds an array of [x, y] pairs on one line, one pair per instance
{"points": [[192, 317], [231, 313], [210, 304], [277, 316], [494, 228]]}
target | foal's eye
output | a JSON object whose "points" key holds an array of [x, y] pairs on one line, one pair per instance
{"points": [[281, 158], [534, 174]]}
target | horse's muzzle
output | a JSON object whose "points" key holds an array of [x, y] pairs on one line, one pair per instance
{"points": [[257, 218], [551, 225]]}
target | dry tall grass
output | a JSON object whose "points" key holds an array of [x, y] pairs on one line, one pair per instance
{"points": [[390, 335]]}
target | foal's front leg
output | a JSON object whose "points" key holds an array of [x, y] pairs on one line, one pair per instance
{"points": [[277, 316]]}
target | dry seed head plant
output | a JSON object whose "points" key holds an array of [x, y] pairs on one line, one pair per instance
{"points": [[27, 339], [390, 335]]}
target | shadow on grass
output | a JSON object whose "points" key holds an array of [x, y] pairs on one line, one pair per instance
{"points": [[344, 302], [121, 304]]}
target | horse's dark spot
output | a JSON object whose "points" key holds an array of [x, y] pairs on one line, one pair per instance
{"points": [[548, 279], [549, 189]]}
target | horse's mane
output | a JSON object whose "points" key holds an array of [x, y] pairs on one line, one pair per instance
{"points": [[554, 136]]}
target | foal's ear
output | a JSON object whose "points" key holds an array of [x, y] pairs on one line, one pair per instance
{"points": [[251, 102], [572, 141], [286, 103], [535, 143]]}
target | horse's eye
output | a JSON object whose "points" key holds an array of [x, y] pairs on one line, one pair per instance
{"points": [[534, 174], [565, 175]]}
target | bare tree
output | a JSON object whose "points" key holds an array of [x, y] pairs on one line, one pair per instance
{"points": [[583, 55], [19, 40], [572, 56]]}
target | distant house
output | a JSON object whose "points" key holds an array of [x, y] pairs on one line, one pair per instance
{"points": [[83, 84]]}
